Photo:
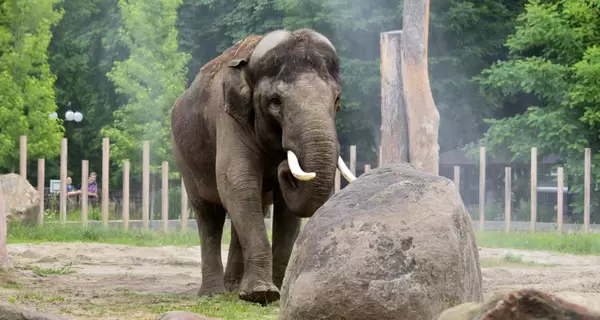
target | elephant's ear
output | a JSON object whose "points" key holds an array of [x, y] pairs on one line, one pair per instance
{"points": [[237, 92]]}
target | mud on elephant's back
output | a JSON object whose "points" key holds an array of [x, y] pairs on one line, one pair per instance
{"points": [[397, 243]]}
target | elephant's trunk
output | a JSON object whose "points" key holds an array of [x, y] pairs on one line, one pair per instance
{"points": [[315, 146]]}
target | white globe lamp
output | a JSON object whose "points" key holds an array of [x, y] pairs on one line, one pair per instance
{"points": [[77, 116], [69, 115], [53, 115]]}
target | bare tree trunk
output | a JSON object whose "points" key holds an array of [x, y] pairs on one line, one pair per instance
{"points": [[423, 116], [394, 125], [4, 262]]}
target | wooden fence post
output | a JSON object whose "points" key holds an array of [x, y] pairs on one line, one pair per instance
{"points": [[23, 157], [165, 196], [559, 199], [184, 207], [63, 180], [587, 188], [146, 185], [84, 191], [456, 177], [507, 198], [482, 166], [533, 188], [105, 178], [41, 185], [126, 194]]}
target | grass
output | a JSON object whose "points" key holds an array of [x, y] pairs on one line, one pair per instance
{"points": [[225, 306], [66, 269], [510, 260], [575, 243], [18, 233], [228, 307], [55, 232]]}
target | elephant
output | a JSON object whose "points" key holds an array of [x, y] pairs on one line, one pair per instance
{"points": [[243, 133]]}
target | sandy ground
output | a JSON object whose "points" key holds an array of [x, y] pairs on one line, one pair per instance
{"points": [[125, 282]]}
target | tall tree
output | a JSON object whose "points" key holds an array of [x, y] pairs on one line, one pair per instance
{"points": [[82, 51], [151, 79], [26, 81], [550, 82]]}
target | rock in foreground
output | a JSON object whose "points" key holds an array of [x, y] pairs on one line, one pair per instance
{"points": [[520, 304], [397, 243]]}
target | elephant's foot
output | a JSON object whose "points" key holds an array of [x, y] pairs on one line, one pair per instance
{"points": [[258, 291], [278, 274], [210, 291], [232, 284]]}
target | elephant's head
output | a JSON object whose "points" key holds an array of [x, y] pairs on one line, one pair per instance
{"points": [[288, 92]]}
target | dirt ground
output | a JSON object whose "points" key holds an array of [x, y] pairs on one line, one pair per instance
{"points": [[101, 281]]}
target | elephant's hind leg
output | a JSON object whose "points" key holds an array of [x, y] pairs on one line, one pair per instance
{"points": [[234, 270], [210, 218], [286, 227]]}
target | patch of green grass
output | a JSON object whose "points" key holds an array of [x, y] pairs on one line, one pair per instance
{"points": [[575, 243], [513, 258], [32, 296], [11, 286], [18, 233], [510, 260], [70, 232], [64, 270], [228, 307]]}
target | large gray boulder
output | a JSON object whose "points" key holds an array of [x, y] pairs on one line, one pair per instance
{"points": [[397, 243], [21, 199]]}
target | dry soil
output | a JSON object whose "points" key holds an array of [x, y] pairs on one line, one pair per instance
{"points": [[102, 281]]}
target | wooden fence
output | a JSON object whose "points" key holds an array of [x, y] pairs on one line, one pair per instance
{"points": [[479, 224]]}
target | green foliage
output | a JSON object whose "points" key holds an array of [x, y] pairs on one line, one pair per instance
{"points": [[551, 82], [26, 81], [151, 78], [83, 49]]}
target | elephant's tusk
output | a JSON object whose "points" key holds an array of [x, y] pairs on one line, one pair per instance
{"points": [[297, 172], [344, 170]]}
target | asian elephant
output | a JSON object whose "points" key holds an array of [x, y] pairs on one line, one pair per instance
{"points": [[257, 127]]}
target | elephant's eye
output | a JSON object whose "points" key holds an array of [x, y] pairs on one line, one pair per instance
{"points": [[275, 102]]}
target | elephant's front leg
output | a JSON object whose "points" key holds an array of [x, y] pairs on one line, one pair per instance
{"points": [[286, 227], [240, 188], [234, 270]]}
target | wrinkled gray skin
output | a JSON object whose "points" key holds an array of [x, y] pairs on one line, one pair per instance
{"points": [[231, 131]]}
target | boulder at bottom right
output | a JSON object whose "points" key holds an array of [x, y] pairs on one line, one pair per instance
{"points": [[396, 243]]}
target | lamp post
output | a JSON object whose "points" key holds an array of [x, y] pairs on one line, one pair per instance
{"points": [[69, 115]]}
